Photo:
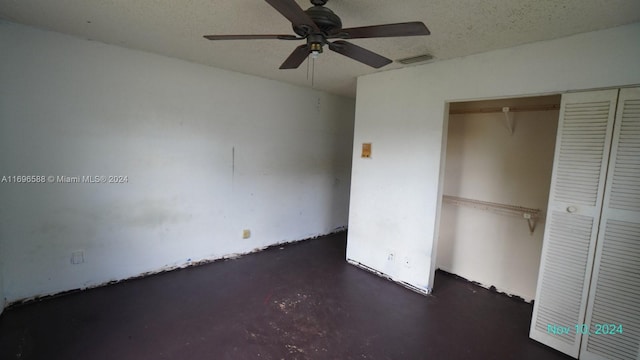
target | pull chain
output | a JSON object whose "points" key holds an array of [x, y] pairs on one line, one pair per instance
{"points": [[313, 71]]}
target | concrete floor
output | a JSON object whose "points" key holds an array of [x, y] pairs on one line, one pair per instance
{"points": [[301, 301]]}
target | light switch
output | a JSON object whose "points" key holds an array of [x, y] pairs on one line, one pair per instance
{"points": [[366, 150]]}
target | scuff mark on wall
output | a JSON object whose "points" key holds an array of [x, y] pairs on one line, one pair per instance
{"points": [[154, 213]]}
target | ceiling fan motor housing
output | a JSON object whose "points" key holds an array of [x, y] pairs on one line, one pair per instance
{"points": [[326, 20]]}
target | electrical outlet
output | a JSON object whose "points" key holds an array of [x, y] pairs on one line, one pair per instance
{"points": [[77, 257], [246, 233], [390, 257]]}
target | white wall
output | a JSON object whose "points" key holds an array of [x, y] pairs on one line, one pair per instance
{"points": [[395, 195], [485, 162], [207, 153]]}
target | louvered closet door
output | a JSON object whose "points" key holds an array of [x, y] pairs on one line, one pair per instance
{"points": [[575, 201], [614, 297]]}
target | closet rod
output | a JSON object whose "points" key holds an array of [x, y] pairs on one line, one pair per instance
{"points": [[529, 214], [498, 109]]}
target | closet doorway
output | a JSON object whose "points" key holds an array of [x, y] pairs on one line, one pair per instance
{"points": [[498, 166]]}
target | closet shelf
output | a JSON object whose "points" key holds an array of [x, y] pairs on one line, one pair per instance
{"points": [[529, 214], [499, 109]]}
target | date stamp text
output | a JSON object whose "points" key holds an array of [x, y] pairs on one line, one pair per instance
{"points": [[585, 329]]}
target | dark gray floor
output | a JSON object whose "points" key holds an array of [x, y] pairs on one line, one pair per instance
{"points": [[300, 302]]}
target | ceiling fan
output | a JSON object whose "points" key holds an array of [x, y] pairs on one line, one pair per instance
{"points": [[318, 24]]}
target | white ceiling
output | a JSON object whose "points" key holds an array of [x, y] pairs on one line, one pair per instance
{"points": [[458, 28]]}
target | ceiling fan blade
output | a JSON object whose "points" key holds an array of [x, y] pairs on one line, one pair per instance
{"points": [[358, 53], [296, 58], [292, 11], [389, 30], [251, 37]]}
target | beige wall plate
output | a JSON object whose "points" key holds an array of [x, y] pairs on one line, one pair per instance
{"points": [[366, 150]]}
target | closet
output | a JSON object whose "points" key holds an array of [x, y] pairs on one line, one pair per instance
{"points": [[499, 160], [588, 293]]}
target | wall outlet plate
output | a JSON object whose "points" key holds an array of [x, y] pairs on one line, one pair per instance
{"points": [[77, 257], [246, 233]]}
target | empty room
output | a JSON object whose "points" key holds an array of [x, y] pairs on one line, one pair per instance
{"points": [[343, 179]]}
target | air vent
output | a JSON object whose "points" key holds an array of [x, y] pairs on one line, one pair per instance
{"points": [[415, 59]]}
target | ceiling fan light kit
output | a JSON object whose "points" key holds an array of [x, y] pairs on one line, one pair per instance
{"points": [[319, 24]]}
